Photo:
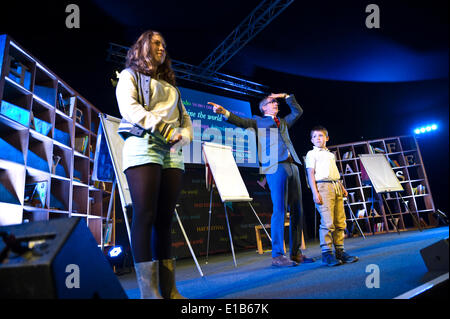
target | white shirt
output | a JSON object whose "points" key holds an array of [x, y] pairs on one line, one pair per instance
{"points": [[324, 164]]}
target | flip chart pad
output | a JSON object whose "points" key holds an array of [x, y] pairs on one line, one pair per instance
{"points": [[225, 173], [380, 173]]}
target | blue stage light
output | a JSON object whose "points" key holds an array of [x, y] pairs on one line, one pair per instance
{"points": [[115, 251], [427, 128]]}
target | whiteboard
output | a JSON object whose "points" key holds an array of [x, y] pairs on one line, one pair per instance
{"points": [[380, 173], [225, 172], [108, 157]]}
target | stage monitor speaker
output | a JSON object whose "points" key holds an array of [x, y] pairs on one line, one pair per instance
{"points": [[55, 259], [435, 256]]}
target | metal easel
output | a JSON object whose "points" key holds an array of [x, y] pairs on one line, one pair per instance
{"points": [[211, 183]]}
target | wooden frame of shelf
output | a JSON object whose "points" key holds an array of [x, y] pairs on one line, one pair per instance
{"points": [[42, 120], [404, 155]]}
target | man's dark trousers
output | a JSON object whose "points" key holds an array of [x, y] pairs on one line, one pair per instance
{"points": [[286, 194]]}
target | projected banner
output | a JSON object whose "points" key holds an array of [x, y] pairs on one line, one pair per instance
{"points": [[211, 127]]}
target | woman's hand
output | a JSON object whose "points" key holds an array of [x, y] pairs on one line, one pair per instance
{"points": [[175, 138], [174, 142]]}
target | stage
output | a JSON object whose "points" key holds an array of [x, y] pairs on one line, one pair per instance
{"points": [[394, 257]]}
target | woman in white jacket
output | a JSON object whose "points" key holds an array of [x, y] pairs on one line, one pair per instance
{"points": [[151, 105]]}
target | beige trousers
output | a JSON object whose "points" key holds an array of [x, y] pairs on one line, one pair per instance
{"points": [[332, 216]]}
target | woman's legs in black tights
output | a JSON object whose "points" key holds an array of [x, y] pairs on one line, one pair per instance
{"points": [[170, 187], [154, 192]]}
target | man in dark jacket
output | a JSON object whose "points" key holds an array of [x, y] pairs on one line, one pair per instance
{"points": [[281, 172]]}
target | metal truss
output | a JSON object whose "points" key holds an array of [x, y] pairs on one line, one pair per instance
{"points": [[184, 71], [258, 19], [206, 73]]}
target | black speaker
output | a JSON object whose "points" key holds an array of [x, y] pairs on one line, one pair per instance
{"points": [[435, 256], [54, 259]]}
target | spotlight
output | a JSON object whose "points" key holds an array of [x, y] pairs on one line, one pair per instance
{"points": [[115, 251], [426, 128], [115, 257]]}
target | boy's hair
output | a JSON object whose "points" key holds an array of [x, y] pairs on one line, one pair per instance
{"points": [[319, 128]]}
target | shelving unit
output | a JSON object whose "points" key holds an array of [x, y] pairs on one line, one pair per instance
{"points": [[48, 135], [404, 155]]}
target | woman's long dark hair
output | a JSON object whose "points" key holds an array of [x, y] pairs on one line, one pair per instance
{"points": [[140, 59]]}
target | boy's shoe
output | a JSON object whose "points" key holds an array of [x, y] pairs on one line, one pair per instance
{"points": [[283, 261], [344, 257], [329, 259]]}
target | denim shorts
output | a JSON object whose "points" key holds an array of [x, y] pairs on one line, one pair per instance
{"points": [[150, 148]]}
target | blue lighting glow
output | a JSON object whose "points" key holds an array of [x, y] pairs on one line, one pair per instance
{"points": [[425, 129], [115, 251]]}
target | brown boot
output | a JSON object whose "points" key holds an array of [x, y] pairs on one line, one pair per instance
{"points": [[167, 284], [302, 259], [147, 278]]}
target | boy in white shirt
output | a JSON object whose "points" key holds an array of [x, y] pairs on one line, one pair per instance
{"points": [[328, 193]]}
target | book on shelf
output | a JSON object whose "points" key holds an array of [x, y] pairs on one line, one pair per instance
{"points": [[20, 73], [36, 194], [71, 105], [393, 163], [41, 126], [61, 105], [108, 234], [81, 144], [379, 227], [66, 105], [15, 113], [419, 190], [99, 185], [377, 150], [347, 155], [79, 116], [361, 213], [77, 179]]}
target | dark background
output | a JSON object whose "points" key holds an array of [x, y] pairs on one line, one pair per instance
{"points": [[360, 83]]}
